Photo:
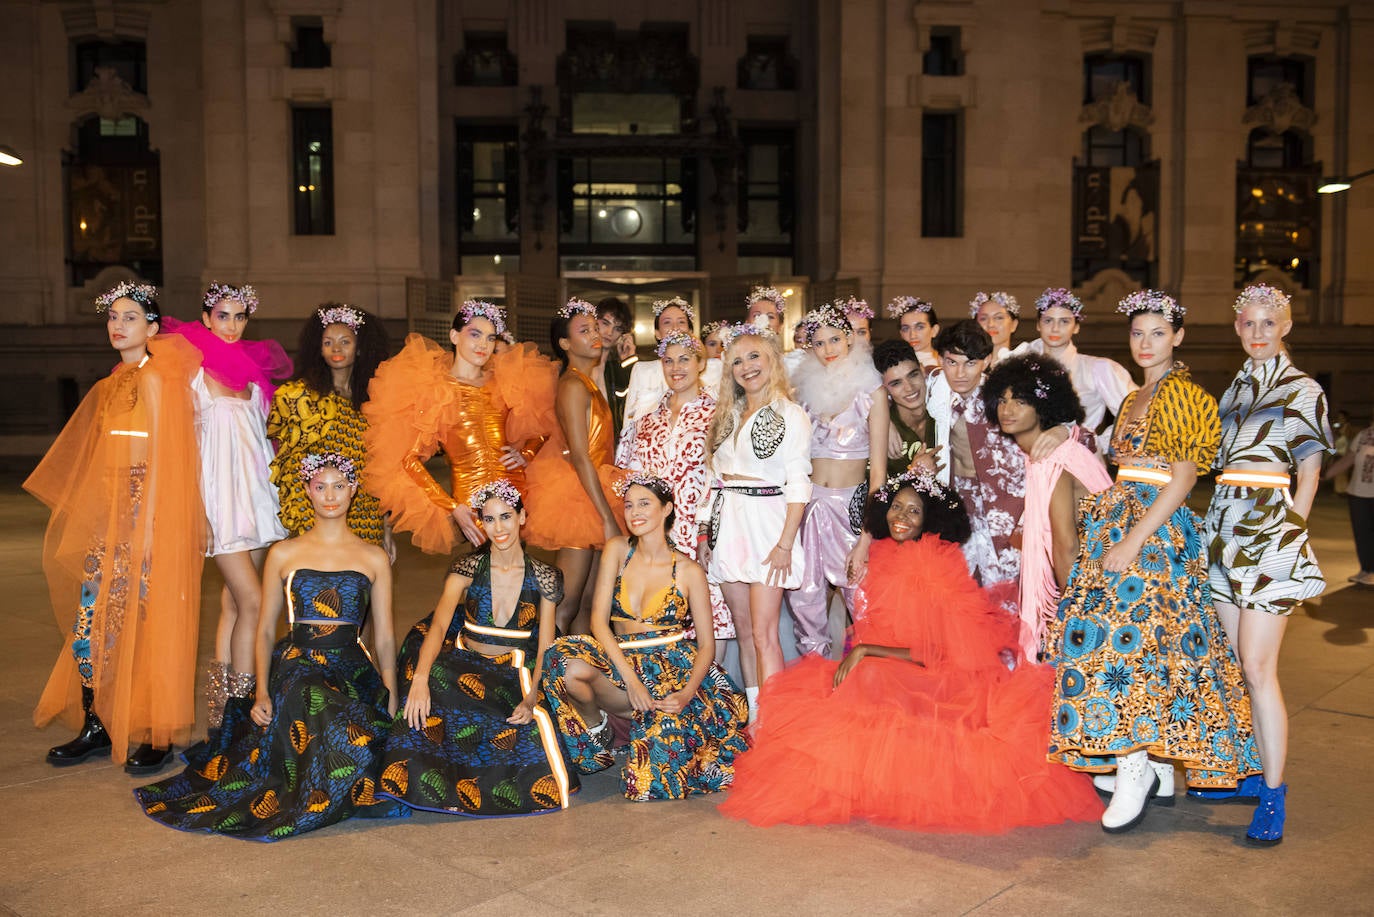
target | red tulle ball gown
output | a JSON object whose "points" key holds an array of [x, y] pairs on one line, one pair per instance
{"points": [[957, 744]]}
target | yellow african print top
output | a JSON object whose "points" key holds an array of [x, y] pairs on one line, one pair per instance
{"points": [[1181, 424]]}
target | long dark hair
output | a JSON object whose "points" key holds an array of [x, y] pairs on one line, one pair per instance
{"points": [[371, 350]]}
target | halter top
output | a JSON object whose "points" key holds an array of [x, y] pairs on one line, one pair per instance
{"points": [[668, 608], [521, 630]]}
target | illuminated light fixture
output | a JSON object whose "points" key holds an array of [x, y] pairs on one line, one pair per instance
{"points": [[9, 157], [1257, 192], [83, 224], [300, 188], [495, 259], [788, 292], [476, 214], [601, 213], [1293, 263], [1334, 184]]}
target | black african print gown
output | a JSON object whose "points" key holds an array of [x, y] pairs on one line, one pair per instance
{"points": [[318, 761], [467, 760]]}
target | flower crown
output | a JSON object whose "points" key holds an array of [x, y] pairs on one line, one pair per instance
{"points": [[1064, 299], [827, 316], [758, 294], [218, 292], [643, 479], [476, 308], [854, 306], [1264, 295], [500, 489], [341, 315], [507, 337], [919, 479], [315, 462], [145, 294], [1001, 297], [577, 306], [904, 304], [736, 331], [678, 339], [711, 328], [1151, 301], [684, 305]]}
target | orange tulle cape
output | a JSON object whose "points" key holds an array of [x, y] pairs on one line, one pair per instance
{"points": [[143, 650], [956, 746], [412, 407]]}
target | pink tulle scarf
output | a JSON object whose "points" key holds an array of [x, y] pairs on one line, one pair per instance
{"points": [[235, 365]]}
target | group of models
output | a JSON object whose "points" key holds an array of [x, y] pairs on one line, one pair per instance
{"points": [[1016, 615]]}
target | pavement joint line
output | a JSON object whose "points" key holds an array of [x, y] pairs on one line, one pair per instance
{"points": [[50, 777], [990, 898], [1363, 716]]}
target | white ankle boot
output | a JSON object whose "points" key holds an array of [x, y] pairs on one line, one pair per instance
{"points": [[1136, 782], [1164, 796]]}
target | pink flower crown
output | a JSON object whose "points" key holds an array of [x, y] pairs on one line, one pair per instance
{"points": [[827, 316], [1062, 298], [736, 331], [1151, 301], [711, 328], [476, 308], [145, 294], [920, 480], [1001, 297], [500, 489], [652, 481], [904, 304], [577, 306], [316, 462], [217, 292], [854, 306], [758, 294], [684, 305], [1264, 295], [678, 339], [341, 315]]}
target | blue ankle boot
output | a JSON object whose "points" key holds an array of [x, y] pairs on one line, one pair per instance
{"points": [[1247, 792], [1266, 828]]}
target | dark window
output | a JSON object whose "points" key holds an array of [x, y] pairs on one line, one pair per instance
{"points": [[941, 181], [1105, 147], [312, 188], [766, 64], [308, 49], [767, 197], [944, 56], [1263, 74], [1101, 73], [128, 59], [486, 60], [113, 198], [488, 196]]}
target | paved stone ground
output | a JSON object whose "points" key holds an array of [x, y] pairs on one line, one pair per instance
{"points": [[74, 840]]}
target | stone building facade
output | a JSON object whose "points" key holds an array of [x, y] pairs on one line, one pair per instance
{"points": [[405, 153]]}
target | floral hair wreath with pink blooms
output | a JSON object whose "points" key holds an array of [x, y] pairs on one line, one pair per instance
{"points": [[477, 308], [854, 306], [1155, 301], [678, 339], [1001, 297], [759, 294], [145, 294], [904, 304], [341, 315], [711, 328], [1061, 298], [827, 316], [919, 479], [577, 306], [653, 482], [1263, 295], [218, 292], [736, 331], [316, 462], [684, 305], [500, 489]]}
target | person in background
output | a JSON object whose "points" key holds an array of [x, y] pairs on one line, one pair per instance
{"points": [[860, 315], [1358, 464], [998, 314], [619, 357]]}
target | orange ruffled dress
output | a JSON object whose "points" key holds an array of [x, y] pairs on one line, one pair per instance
{"points": [[127, 460], [561, 515], [955, 746], [416, 407]]}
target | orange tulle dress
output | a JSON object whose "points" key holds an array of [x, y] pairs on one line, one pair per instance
{"points": [[955, 746], [126, 461], [416, 407], [561, 515]]}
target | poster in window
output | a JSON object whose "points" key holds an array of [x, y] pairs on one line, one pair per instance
{"points": [[1116, 221]]}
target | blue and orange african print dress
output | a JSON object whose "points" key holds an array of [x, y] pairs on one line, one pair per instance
{"points": [[317, 762], [1142, 660], [672, 755], [468, 760]]}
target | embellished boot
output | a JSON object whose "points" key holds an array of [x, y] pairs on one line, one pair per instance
{"points": [[1247, 792], [216, 693], [1135, 783], [1266, 828], [1105, 784], [91, 740]]}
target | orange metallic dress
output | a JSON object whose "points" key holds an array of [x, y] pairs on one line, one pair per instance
{"points": [[415, 408], [561, 515]]}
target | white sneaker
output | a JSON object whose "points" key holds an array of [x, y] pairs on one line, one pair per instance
{"points": [[1136, 782], [1164, 796]]}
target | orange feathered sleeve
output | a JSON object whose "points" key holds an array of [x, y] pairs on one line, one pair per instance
{"points": [[127, 462], [526, 384]]}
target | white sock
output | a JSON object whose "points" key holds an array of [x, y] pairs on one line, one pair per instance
{"points": [[752, 695]]}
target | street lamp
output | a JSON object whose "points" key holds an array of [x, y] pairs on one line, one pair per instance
{"points": [[1337, 184], [8, 157]]}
